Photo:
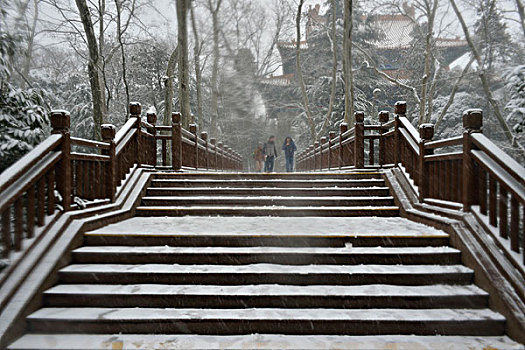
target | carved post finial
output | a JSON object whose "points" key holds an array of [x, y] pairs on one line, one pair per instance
{"points": [[60, 121], [400, 107], [108, 132], [151, 117], [384, 116], [359, 117], [473, 120], [426, 132], [175, 117], [135, 109]]}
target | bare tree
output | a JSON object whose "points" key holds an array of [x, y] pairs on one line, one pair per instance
{"points": [[347, 62], [95, 70], [482, 74], [184, 71], [214, 10], [168, 85], [333, 86], [299, 72], [197, 49]]}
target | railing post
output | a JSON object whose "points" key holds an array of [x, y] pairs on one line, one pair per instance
{"points": [[472, 123], [213, 141], [193, 130], [220, 160], [384, 116], [426, 133], [108, 135], [324, 141], [176, 141], [151, 117], [60, 122], [317, 156], [135, 109], [359, 144], [343, 155], [400, 110], [228, 158], [311, 159], [331, 138], [204, 136]]}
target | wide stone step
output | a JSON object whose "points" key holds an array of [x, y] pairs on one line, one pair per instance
{"points": [[252, 296], [208, 231], [270, 176], [49, 341], [299, 211], [297, 192], [247, 183], [276, 255], [266, 274], [471, 322], [246, 240], [268, 201]]}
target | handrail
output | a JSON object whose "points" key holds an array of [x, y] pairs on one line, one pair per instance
{"points": [[28, 188], [89, 143], [124, 130], [12, 173], [505, 161], [453, 141], [474, 173]]}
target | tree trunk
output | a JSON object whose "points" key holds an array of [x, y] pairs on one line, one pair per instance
{"points": [[184, 79], [299, 72], [431, 10], [482, 76], [347, 62], [521, 12], [334, 70], [197, 62], [215, 69], [168, 86], [28, 57], [96, 78], [118, 5]]}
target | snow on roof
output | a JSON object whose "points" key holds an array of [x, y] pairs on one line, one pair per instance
{"points": [[462, 62], [279, 80], [397, 31]]}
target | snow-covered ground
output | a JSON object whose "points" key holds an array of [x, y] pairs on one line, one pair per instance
{"points": [[270, 225], [260, 341]]}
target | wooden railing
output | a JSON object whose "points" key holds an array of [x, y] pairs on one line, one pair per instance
{"points": [[468, 171], [47, 180]]}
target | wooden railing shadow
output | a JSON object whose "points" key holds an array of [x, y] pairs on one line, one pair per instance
{"points": [[64, 172], [468, 172]]}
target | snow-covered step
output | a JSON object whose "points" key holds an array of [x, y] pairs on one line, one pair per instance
{"points": [[266, 274], [268, 191], [290, 201], [276, 255], [270, 176], [276, 183], [299, 211], [264, 320], [266, 295], [49, 341]]}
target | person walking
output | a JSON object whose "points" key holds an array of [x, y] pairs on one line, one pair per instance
{"points": [[258, 156], [289, 149], [270, 153]]}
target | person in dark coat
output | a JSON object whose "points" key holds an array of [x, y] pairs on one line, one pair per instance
{"points": [[270, 153], [289, 149]]}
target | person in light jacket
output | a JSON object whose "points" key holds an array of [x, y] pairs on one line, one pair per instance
{"points": [[258, 156], [270, 153], [289, 149]]}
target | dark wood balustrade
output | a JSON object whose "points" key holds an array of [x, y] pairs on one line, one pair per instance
{"points": [[44, 182], [468, 171]]}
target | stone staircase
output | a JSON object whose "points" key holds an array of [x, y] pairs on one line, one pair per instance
{"points": [[166, 280], [296, 194]]}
